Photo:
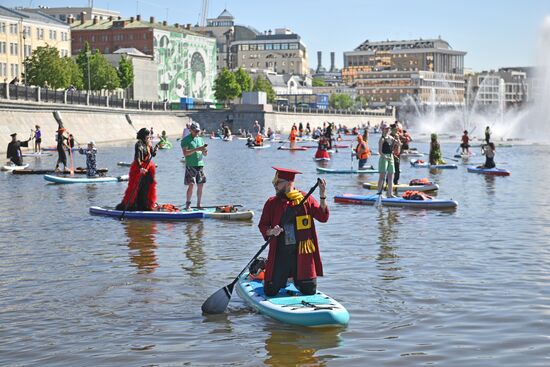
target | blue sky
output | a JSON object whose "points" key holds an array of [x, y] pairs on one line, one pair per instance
{"points": [[495, 33]]}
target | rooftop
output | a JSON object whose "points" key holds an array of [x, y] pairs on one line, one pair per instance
{"points": [[405, 44], [32, 16], [128, 24]]}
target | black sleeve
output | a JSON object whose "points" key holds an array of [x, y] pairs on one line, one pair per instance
{"points": [[24, 143]]}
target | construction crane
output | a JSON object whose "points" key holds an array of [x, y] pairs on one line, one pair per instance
{"points": [[204, 13]]}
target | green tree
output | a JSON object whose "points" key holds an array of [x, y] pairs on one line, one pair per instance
{"points": [[340, 101], [102, 74], [75, 74], [262, 85], [361, 102], [318, 82], [244, 80], [125, 72], [226, 87], [46, 68]]}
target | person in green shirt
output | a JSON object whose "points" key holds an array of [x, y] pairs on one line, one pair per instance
{"points": [[193, 149]]}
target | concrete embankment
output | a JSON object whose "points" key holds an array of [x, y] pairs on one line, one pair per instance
{"points": [[108, 125]]}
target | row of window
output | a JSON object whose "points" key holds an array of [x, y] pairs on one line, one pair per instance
{"points": [[269, 46], [115, 37], [14, 70], [27, 50], [27, 32]]}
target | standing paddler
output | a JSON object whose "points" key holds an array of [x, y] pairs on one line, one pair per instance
{"points": [[294, 248], [141, 193], [193, 149]]}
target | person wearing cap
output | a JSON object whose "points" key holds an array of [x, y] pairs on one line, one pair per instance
{"points": [[14, 153], [141, 193], [61, 156], [294, 248], [193, 149], [385, 162], [90, 152]]}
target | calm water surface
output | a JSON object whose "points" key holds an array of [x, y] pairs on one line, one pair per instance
{"points": [[469, 287]]}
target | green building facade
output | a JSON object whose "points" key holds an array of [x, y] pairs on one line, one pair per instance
{"points": [[186, 65]]}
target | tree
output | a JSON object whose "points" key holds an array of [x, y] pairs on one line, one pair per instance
{"points": [[226, 87], [46, 68], [262, 85], [125, 72], [74, 72], [244, 80], [361, 101], [318, 82], [340, 101], [102, 74]]}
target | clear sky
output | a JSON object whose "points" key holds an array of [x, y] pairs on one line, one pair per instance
{"points": [[495, 33]]}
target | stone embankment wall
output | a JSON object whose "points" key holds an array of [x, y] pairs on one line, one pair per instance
{"points": [[107, 125]]}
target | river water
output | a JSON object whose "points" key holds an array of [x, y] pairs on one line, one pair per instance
{"points": [[468, 287]]}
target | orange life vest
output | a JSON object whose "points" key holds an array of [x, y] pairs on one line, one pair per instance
{"points": [[259, 139], [363, 151]]}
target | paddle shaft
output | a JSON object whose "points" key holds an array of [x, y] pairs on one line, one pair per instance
{"points": [[137, 186]]}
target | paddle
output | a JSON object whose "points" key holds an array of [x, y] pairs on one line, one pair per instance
{"points": [[451, 159], [129, 120], [137, 186], [217, 302]]}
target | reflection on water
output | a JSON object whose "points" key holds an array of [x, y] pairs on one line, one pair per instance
{"points": [[141, 235], [388, 224], [287, 346], [194, 251], [490, 184]]}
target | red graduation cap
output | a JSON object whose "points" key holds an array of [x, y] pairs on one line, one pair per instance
{"points": [[285, 173]]}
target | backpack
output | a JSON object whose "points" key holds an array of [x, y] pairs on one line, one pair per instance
{"points": [[257, 266], [415, 195], [420, 182]]}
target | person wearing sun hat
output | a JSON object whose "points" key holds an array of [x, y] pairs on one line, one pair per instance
{"points": [[294, 248], [14, 150]]}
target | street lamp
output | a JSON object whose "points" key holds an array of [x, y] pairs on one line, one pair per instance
{"points": [[88, 53]]}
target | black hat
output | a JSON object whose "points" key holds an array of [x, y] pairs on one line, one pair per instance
{"points": [[14, 134], [143, 133]]}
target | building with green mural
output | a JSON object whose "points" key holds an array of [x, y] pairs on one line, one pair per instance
{"points": [[185, 60]]}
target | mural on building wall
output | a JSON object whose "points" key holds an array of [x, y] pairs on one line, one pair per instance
{"points": [[186, 65]]}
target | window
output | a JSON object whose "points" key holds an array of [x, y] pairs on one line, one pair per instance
{"points": [[244, 47], [13, 28], [14, 49], [28, 50], [2, 27], [54, 35], [284, 46], [3, 69], [2, 47], [269, 46], [26, 31], [14, 70], [276, 46], [261, 47], [253, 47], [293, 46]]}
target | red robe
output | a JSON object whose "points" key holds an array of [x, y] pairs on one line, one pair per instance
{"points": [[309, 265]]}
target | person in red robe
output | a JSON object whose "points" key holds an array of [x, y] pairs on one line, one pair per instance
{"points": [[294, 248], [141, 193]]}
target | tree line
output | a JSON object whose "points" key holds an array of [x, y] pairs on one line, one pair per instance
{"points": [[229, 85], [46, 68]]}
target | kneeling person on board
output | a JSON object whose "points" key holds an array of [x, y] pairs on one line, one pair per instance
{"points": [[193, 149], [489, 151], [90, 152], [294, 249], [14, 150]]}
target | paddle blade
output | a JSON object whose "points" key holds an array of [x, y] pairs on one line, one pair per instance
{"points": [[378, 202], [217, 302]]}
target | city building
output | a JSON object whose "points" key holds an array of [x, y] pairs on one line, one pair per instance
{"points": [[428, 72], [22, 32], [281, 51], [225, 31], [77, 13], [186, 61], [144, 87], [332, 76], [506, 87]]}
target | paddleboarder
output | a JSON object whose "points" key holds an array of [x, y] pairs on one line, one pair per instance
{"points": [[362, 151], [489, 151], [61, 156], [141, 193], [90, 153], [37, 139], [194, 149], [259, 140], [396, 132], [435, 151], [14, 149], [292, 137], [487, 134], [322, 148], [465, 145], [385, 162], [294, 248]]}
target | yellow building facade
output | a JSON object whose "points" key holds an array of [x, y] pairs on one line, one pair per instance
{"points": [[21, 33]]}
